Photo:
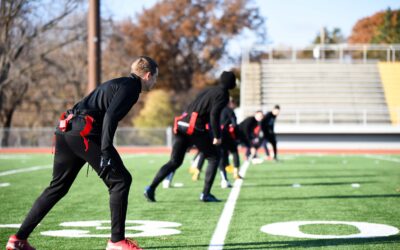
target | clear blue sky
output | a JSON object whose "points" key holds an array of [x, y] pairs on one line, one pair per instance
{"points": [[289, 22]]}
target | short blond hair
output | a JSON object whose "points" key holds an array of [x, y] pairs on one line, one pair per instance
{"points": [[143, 64]]}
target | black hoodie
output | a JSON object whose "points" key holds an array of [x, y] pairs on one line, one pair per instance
{"points": [[209, 103]]}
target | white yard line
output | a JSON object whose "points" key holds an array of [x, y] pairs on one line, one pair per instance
{"points": [[218, 238], [5, 184], [381, 157], [21, 170]]}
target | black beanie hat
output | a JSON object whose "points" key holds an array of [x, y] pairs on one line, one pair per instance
{"points": [[228, 80]]}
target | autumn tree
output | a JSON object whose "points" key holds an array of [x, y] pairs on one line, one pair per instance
{"points": [[24, 24], [186, 37], [59, 82], [382, 27], [158, 111], [62, 78], [389, 31]]}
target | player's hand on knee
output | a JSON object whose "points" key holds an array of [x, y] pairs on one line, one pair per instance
{"points": [[105, 167], [217, 141]]}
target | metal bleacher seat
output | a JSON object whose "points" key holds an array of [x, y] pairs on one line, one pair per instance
{"points": [[318, 92]]}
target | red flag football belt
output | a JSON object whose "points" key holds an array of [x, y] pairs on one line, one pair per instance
{"points": [[231, 130], [257, 129], [64, 121], [190, 126]]}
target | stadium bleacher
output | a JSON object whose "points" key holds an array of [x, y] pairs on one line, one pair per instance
{"points": [[320, 92], [341, 102]]}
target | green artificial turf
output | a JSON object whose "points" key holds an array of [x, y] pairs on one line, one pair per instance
{"points": [[299, 188]]}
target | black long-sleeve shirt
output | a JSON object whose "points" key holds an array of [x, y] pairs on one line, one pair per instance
{"points": [[228, 117], [268, 123], [110, 101], [209, 104], [246, 128]]}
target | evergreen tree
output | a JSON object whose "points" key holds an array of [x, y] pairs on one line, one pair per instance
{"points": [[382, 27], [389, 31]]}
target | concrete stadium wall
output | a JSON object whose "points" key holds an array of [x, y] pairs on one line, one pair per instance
{"points": [[345, 137]]}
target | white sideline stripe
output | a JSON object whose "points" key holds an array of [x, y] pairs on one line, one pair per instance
{"points": [[10, 226], [30, 169], [384, 158], [218, 238]]}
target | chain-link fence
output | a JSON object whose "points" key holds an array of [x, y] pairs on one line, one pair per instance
{"points": [[43, 137]]}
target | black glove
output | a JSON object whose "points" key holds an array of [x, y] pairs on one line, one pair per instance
{"points": [[105, 167]]}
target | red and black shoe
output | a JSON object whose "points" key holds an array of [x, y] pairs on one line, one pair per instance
{"points": [[126, 244], [16, 244]]}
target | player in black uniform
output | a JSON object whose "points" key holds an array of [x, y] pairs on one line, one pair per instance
{"points": [[249, 130], [229, 144], [85, 134], [267, 126], [189, 129]]}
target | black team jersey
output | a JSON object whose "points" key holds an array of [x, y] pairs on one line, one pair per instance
{"points": [[228, 117], [210, 102], [268, 123], [246, 128], [108, 104]]}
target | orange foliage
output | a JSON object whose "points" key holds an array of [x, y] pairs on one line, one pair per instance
{"points": [[367, 28], [186, 37]]}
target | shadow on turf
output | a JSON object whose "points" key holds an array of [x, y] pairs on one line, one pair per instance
{"points": [[294, 243]]}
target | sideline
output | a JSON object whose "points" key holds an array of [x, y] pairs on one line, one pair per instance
{"points": [[30, 169], [218, 238], [381, 157]]}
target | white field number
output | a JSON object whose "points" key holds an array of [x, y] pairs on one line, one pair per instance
{"points": [[146, 228], [102, 228], [366, 230], [133, 228]]}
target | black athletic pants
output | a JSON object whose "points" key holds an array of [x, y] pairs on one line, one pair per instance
{"points": [[182, 142], [200, 161], [271, 138], [228, 145], [69, 158]]}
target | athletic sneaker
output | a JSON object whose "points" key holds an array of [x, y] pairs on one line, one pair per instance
{"points": [[268, 158], [229, 169], [166, 183], [209, 198], [236, 174], [196, 174], [126, 244], [257, 161], [149, 194], [225, 184], [16, 244], [192, 169]]}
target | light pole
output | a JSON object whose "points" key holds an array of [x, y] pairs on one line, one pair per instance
{"points": [[94, 43]]}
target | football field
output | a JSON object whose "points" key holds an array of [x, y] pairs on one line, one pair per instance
{"points": [[303, 201]]}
